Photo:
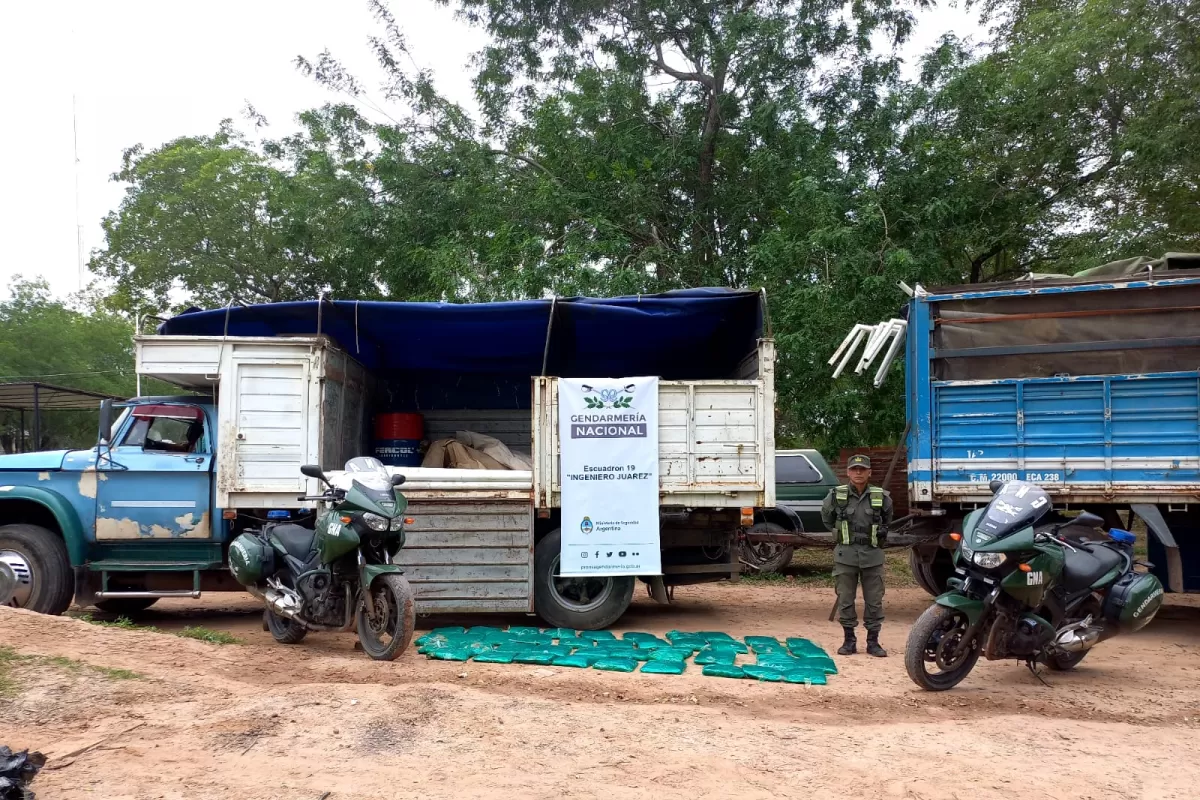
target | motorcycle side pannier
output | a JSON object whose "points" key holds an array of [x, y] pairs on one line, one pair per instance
{"points": [[250, 559], [1133, 601]]}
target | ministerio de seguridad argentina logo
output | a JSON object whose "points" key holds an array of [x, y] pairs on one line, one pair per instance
{"points": [[614, 415]]}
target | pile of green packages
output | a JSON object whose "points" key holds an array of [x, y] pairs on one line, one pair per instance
{"points": [[762, 658]]}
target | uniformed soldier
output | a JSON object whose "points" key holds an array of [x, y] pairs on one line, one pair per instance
{"points": [[858, 515]]}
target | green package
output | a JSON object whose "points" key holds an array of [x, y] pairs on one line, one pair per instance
{"points": [[447, 630], [447, 654], [710, 656], [819, 662], [670, 654], [533, 657], [732, 646], [597, 636], [521, 630], [535, 640], [575, 641], [495, 657], [814, 677], [664, 667], [616, 664], [764, 644], [762, 673], [715, 636], [635, 636], [804, 647], [723, 671], [572, 661], [480, 630], [559, 633]]}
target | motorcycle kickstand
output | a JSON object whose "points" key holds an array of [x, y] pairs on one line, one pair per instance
{"points": [[1032, 665]]}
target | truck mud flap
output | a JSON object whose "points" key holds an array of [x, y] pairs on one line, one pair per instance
{"points": [[1158, 526]]}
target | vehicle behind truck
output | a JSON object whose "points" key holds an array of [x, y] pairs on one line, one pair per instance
{"points": [[150, 512], [1087, 386]]}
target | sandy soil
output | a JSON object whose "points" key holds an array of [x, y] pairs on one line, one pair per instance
{"points": [[261, 720]]}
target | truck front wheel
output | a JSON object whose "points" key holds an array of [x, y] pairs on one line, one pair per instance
{"points": [[586, 604], [39, 559]]}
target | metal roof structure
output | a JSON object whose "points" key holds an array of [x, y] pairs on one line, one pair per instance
{"points": [[38, 397], [47, 397]]}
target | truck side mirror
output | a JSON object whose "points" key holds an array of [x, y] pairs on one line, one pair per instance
{"points": [[106, 421], [313, 471]]}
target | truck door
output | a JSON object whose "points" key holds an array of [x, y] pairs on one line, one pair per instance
{"points": [[156, 483]]}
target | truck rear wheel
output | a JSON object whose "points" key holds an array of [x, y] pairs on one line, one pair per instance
{"points": [[586, 604], [39, 559]]}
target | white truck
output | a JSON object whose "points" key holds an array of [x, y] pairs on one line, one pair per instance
{"points": [[278, 387]]}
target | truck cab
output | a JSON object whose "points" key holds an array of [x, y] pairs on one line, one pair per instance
{"points": [[124, 523]]}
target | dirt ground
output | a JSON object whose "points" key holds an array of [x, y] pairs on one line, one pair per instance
{"points": [[261, 720]]}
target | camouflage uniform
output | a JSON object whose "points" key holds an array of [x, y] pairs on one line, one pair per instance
{"points": [[859, 523]]}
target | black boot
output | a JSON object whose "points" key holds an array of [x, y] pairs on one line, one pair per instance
{"points": [[850, 646], [873, 646]]}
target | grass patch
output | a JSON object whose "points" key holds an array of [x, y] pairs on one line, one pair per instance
{"points": [[190, 632], [208, 635], [10, 658], [123, 623], [813, 566], [8, 684]]}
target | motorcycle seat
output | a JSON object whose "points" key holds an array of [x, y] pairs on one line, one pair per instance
{"points": [[1087, 564], [296, 540]]}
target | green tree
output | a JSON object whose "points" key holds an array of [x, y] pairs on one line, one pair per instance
{"points": [[215, 219], [47, 340]]}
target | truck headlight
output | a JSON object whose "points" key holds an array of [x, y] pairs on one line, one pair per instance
{"points": [[375, 522], [989, 560]]}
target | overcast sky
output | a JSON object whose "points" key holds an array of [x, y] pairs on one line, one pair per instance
{"points": [[146, 71]]}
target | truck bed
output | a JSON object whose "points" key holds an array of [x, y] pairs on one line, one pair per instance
{"points": [[1128, 438]]}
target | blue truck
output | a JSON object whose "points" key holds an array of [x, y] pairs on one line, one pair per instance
{"points": [[1087, 385], [149, 512]]}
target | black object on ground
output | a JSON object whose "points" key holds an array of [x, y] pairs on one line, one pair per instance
{"points": [[17, 771]]}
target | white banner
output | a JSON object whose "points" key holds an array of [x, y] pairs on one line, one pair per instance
{"points": [[608, 437]]}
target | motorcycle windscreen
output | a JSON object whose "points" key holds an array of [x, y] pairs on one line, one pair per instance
{"points": [[1015, 507]]}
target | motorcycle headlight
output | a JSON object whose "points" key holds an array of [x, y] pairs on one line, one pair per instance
{"points": [[397, 523], [989, 560], [968, 553], [375, 522]]}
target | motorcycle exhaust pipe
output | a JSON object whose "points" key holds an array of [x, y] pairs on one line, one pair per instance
{"points": [[284, 603], [1082, 636]]}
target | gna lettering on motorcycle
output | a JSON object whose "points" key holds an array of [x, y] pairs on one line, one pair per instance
{"points": [[1035, 578]]}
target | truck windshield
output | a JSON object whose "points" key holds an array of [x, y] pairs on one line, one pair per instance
{"points": [[1016, 506]]}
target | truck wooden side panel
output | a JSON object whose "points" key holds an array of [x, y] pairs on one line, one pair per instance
{"points": [[716, 441], [469, 555]]}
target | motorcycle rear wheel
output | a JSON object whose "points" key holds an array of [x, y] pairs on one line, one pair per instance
{"points": [[387, 617], [1065, 661], [930, 642], [284, 630]]}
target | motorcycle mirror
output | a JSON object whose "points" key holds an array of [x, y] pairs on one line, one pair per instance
{"points": [[1089, 520], [995, 486], [397, 480], [313, 471]]}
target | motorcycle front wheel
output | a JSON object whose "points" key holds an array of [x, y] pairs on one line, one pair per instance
{"points": [[387, 617], [929, 653]]}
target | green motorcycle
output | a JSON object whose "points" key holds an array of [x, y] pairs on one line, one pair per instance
{"points": [[1029, 585], [339, 575]]}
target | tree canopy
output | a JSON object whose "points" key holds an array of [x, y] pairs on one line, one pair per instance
{"points": [[632, 146]]}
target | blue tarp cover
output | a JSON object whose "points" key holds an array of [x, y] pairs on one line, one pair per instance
{"points": [[692, 333]]}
